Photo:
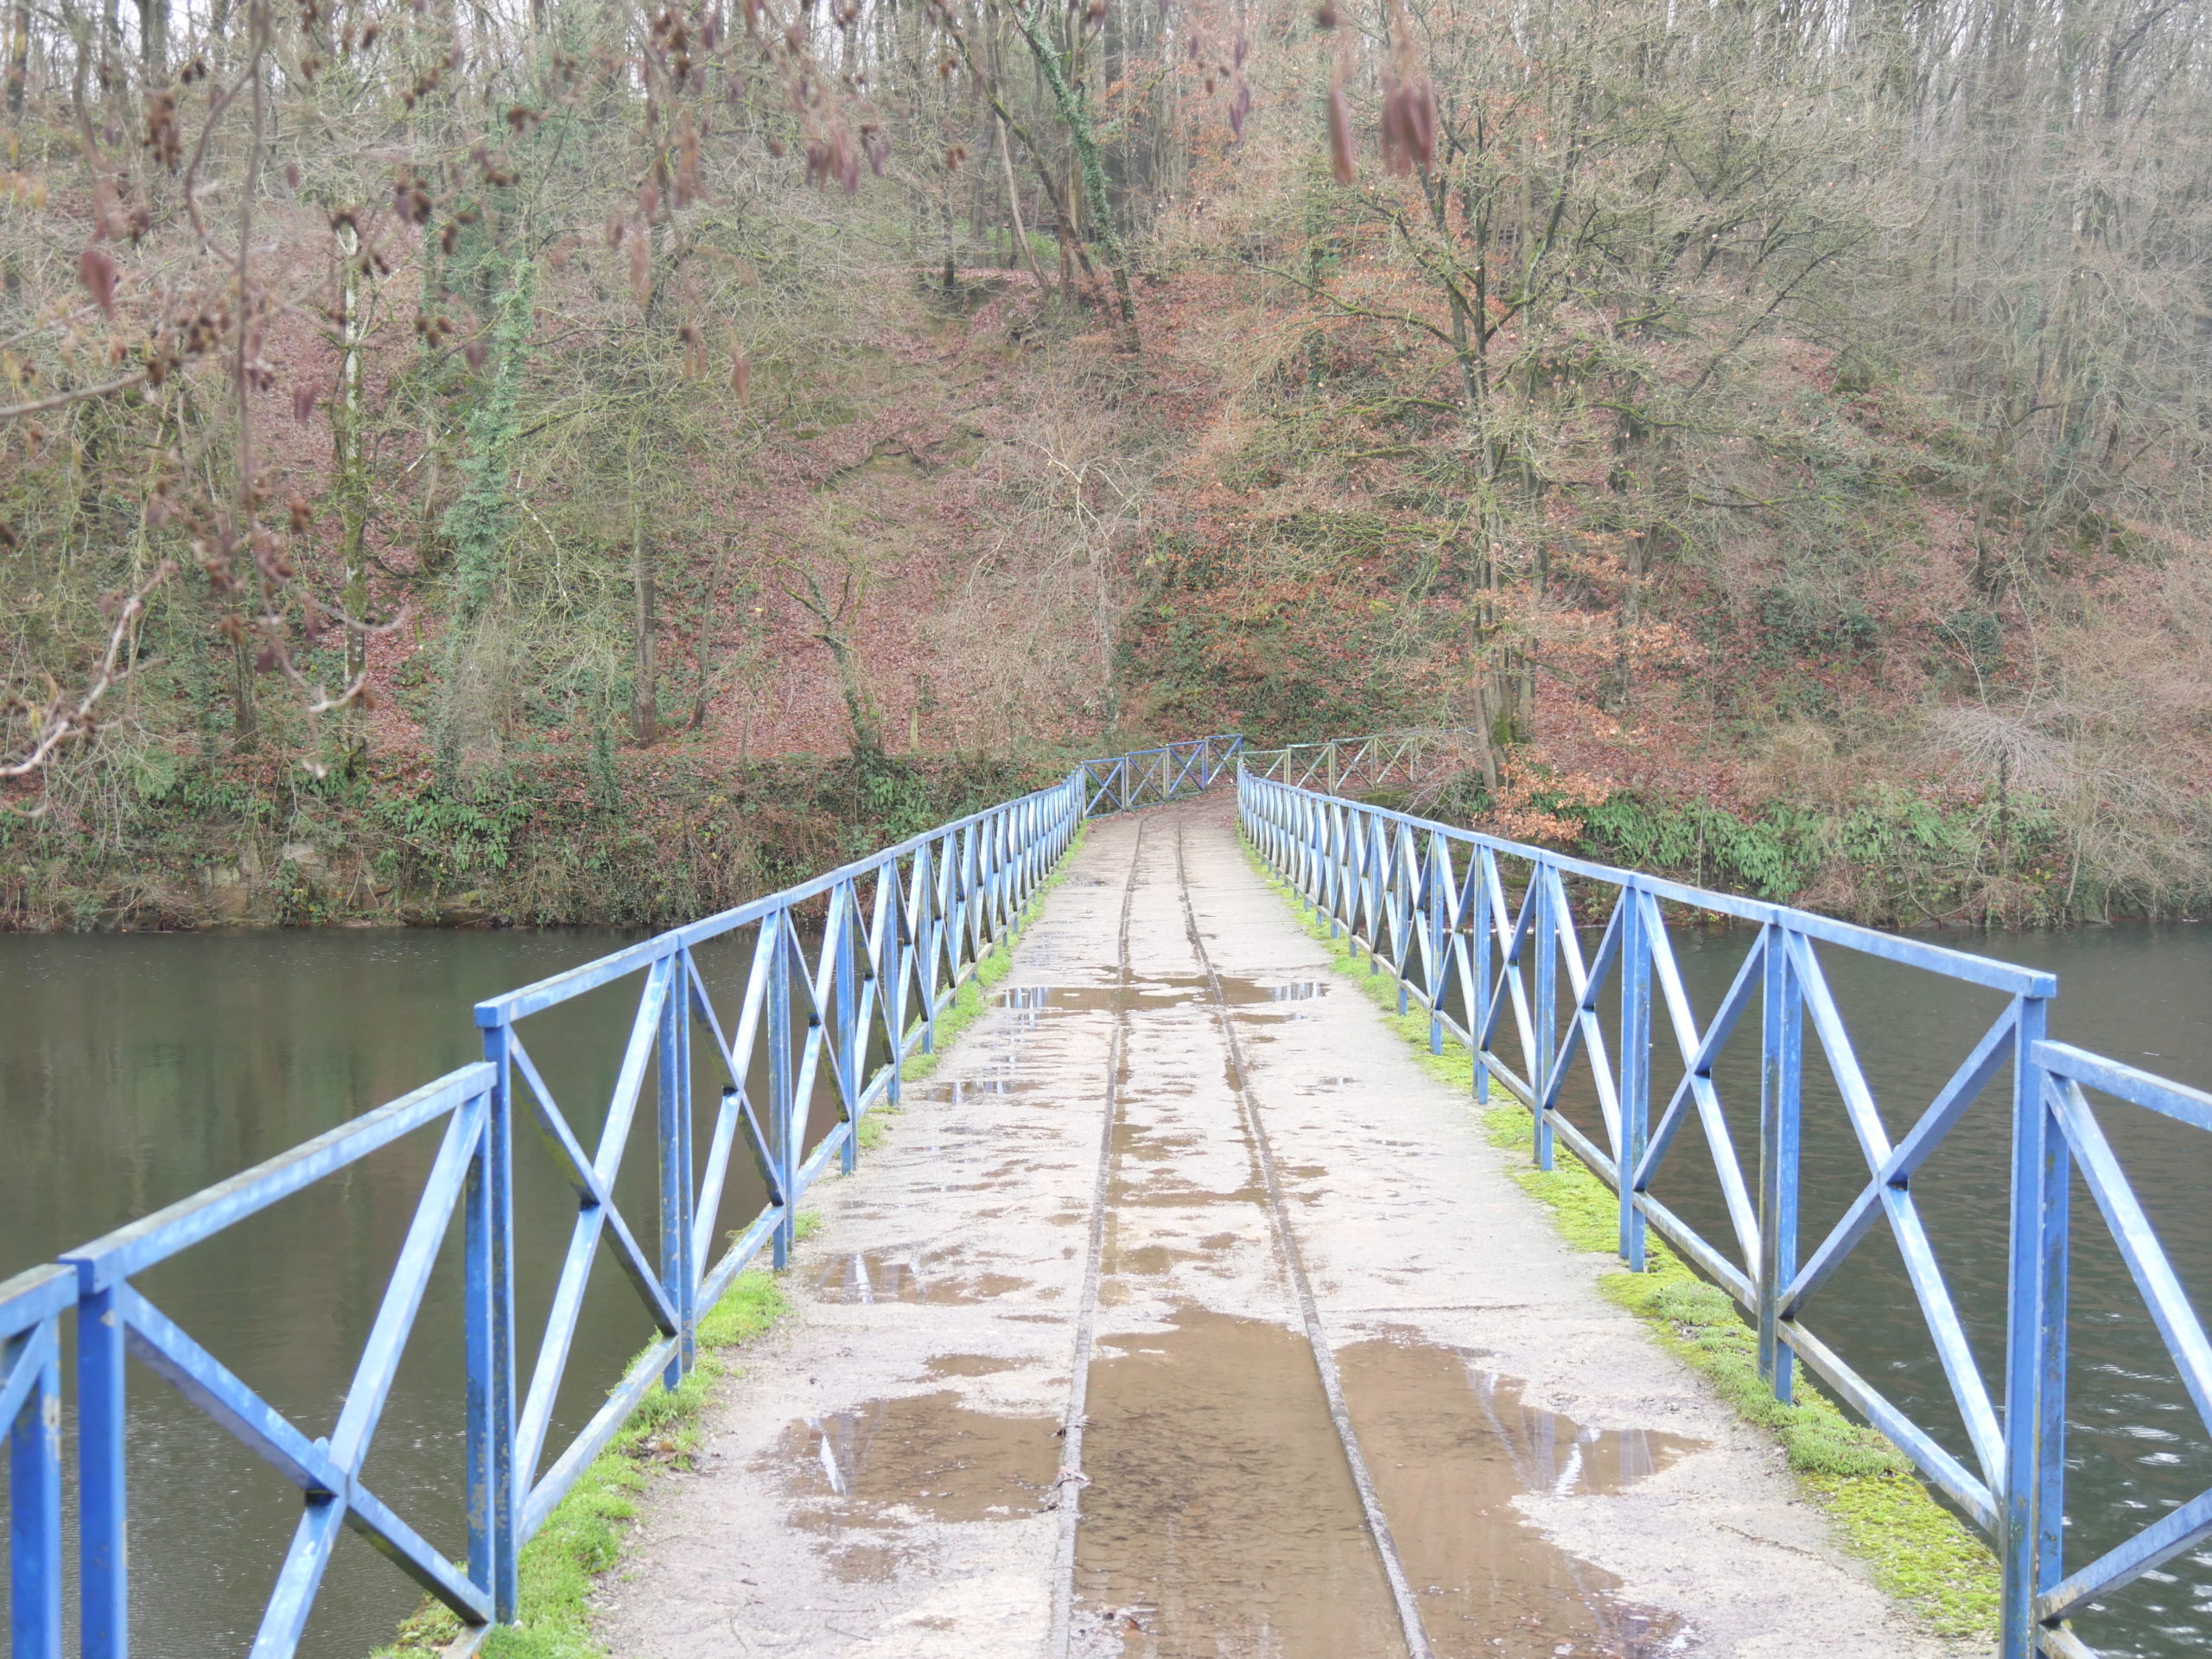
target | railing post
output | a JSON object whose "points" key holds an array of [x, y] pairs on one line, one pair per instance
{"points": [[1636, 1067], [847, 1034], [1439, 868], [1333, 861], [1478, 872], [35, 1464], [783, 1132], [891, 985], [103, 1560], [1781, 1071], [1372, 891], [674, 1069], [1544, 1012], [2032, 1507], [489, 1336], [1404, 888]]}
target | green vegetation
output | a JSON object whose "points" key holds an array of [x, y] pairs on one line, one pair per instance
{"points": [[1919, 1551], [1890, 855], [584, 1536], [623, 839]]}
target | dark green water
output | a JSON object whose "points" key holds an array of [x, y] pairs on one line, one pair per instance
{"points": [[136, 1069]]}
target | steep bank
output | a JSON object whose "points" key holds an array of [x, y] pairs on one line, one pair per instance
{"points": [[610, 838]]}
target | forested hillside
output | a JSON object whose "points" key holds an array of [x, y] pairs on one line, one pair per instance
{"points": [[588, 461]]}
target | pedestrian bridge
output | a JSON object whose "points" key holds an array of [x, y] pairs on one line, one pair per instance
{"points": [[1185, 1307]]}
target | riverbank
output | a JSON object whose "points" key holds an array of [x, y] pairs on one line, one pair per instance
{"points": [[571, 837], [656, 838]]}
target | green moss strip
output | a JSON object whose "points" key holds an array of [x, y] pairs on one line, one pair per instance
{"points": [[970, 1000], [1920, 1552], [582, 1539]]}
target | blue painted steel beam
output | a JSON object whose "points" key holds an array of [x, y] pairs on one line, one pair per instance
{"points": [[31, 1307], [132, 1248]]}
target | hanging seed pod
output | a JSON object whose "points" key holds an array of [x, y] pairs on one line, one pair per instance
{"points": [[96, 269], [1408, 103], [1340, 144], [687, 165]]}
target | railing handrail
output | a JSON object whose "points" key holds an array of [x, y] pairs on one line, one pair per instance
{"points": [[1428, 902], [139, 1245]]}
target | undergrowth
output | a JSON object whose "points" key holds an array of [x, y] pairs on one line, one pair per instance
{"points": [[1919, 1552]]}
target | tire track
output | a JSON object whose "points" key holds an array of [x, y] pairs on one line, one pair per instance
{"points": [[1325, 1361], [1068, 1486]]}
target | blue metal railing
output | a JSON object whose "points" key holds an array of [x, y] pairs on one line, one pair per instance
{"points": [[899, 933], [1431, 904], [1148, 777]]}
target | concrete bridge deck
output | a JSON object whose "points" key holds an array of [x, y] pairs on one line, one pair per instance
{"points": [[1182, 1312]]}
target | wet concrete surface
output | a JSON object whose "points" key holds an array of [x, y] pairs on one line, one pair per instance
{"points": [[1221, 1517], [1453, 1446], [911, 1275], [1078, 1196], [1149, 995]]}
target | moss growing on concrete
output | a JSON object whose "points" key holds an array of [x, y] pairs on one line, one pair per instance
{"points": [[969, 1002], [1919, 1552]]}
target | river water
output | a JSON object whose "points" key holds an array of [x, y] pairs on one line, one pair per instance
{"points": [[136, 1070]]}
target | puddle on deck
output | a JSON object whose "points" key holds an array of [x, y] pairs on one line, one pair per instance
{"points": [[1141, 995], [1222, 1519], [1216, 1519], [971, 1365], [907, 1275], [925, 1457], [1449, 1445]]}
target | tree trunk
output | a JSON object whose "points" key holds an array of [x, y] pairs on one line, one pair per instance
{"points": [[245, 709], [154, 40], [19, 55], [645, 703], [347, 457], [1014, 211], [705, 645]]}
